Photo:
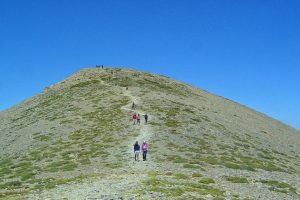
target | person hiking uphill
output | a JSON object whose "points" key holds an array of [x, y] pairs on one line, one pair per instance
{"points": [[134, 118], [138, 119], [136, 150], [133, 105], [146, 118], [145, 150]]}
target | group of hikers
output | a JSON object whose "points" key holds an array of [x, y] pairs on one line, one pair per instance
{"points": [[136, 118], [98, 66], [137, 149]]}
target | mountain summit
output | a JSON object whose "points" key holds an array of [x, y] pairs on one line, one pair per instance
{"points": [[75, 140]]}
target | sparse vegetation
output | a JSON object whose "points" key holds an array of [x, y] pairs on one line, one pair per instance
{"points": [[196, 175], [41, 137], [63, 154], [235, 179], [181, 176], [156, 183], [191, 166], [81, 130], [84, 84], [207, 181], [278, 186]]}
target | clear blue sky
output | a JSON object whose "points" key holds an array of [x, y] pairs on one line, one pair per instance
{"points": [[247, 51]]}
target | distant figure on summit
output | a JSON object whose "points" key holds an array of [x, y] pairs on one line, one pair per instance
{"points": [[146, 118], [133, 105]]}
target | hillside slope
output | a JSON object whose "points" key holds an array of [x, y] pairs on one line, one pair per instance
{"points": [[74, 140]]}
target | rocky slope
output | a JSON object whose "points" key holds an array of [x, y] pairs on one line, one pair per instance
{"points": [[74, 141]]}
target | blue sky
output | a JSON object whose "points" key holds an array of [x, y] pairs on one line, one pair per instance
{"points": [[247, 51]]}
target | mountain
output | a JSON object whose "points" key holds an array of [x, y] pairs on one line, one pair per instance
{"points": [[75, 140]]}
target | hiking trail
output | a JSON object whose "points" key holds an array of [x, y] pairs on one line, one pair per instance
{"points": [[145, 132]]}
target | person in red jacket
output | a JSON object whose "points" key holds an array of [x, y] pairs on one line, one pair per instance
{"points": [[134, 117], [145, 150]]}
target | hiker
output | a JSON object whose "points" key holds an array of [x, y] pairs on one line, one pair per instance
{"points": [[102, 66], [134, 118], [133, 105], [138, 119], [136, 149], [144, 149], [146, 118]]}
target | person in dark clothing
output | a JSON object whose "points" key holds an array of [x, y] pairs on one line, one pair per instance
{"points": [[136, 149], [138, 119], [146, 118]]}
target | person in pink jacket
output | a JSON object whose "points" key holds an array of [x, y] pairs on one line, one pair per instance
{"points": [[144, 149]]}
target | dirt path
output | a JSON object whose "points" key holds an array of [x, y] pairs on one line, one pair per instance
{"points": [[145, 130]]}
